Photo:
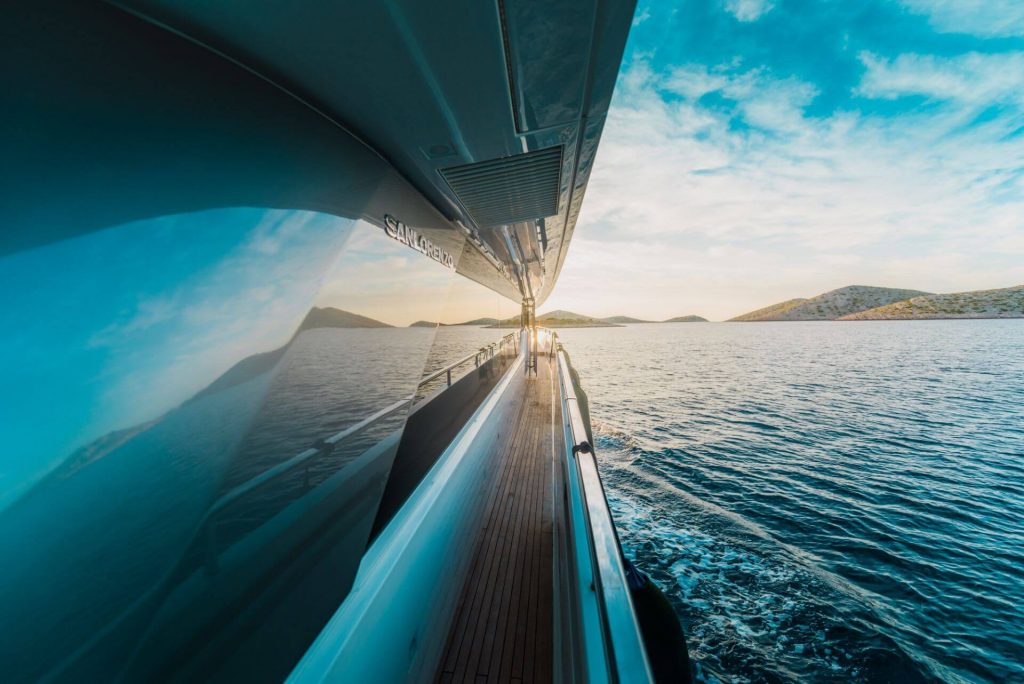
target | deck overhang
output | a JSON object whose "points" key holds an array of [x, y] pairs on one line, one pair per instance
{"points": [[439, 89]]}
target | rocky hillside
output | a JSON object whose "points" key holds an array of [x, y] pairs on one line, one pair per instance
{"points": [[329, 317], [687, 319], [770, 313], [1007, 302], [831, 305]]}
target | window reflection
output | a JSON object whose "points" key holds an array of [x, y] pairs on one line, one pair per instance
{"points": [[183, 488], [201, 439], [121, 326], [469, 324]]}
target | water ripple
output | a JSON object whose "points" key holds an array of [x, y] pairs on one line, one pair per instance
{"points": [[827, 501]]}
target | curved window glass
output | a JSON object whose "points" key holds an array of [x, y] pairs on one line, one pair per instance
{"points": [[215, 341], [203, 417]]}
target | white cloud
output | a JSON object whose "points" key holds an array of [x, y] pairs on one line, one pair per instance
{"points": [[987, 18], [705, 216], [748, 10], [983, 79], [692, 81], [771, 104]]}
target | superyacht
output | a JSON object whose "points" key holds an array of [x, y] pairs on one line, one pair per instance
{"points": [[276, 406]]}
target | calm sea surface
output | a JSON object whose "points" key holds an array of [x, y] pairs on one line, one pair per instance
{"points": [[822, 501]]}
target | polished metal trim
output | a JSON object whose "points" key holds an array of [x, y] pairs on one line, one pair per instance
{"points": [[488, 352], [613, 649]]}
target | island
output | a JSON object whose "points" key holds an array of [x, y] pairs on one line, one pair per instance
{"points": [[619, 320], [1007, 302], [559, 319], [629, 320], [329, 317], [687, 319], [863, 302]]}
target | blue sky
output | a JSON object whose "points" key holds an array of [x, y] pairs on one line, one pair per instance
{"points": [[762, 150]]}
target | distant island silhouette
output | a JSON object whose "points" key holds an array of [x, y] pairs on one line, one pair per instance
{"points": [[850, 303], [479, 322], [330, 317], [569, 319], [686, 319]]}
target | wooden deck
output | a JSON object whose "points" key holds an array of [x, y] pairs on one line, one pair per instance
{"points": [[502, 630]]}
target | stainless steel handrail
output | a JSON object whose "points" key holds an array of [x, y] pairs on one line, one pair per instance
{"points": [[489, 352], [625, 654]]}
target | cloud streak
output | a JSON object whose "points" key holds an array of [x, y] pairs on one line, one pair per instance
{"points": [[971, 79], [748, 10], [991, 18]]}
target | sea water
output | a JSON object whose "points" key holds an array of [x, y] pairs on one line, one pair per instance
{"points": [[822, 501]]}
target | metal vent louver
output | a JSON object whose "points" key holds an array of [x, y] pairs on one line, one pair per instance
{"points": [[501, 191]]}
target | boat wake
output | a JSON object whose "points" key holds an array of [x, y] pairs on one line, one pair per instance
{"points": [[752, 607]]}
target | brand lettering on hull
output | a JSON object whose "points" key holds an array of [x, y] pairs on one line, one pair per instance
{"points": [[409, 237]]}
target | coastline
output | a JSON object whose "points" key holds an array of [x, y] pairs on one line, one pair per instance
{"points": [[545, 324]]}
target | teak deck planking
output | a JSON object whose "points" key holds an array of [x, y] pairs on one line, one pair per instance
{"points": [[502, 630]]}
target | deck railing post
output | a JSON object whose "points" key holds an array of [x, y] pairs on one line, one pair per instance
{"points": [[481, 355]]}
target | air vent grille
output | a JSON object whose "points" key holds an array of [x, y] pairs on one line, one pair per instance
{"points": [[502, 191]]}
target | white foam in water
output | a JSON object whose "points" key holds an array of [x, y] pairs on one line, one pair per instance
{"points": [[736, 603]]}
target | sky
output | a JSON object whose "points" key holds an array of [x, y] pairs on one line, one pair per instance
{"points": [[761, 150], [379, 277], [141, 316], [171, 302]]}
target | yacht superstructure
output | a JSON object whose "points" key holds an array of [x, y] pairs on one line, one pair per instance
{"points": [[245, 439]]}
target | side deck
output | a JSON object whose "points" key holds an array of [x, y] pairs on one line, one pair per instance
{"points": [[503, 625]]}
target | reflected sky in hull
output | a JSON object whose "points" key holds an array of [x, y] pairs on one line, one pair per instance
{"points": [[169, 221], [118, 327], [163, 365]]}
